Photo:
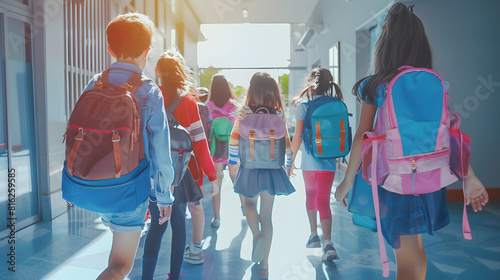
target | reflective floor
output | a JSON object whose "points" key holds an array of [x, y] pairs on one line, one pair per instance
{"points": [[76, 246]]}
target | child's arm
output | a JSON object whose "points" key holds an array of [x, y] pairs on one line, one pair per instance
{"points": [[234, 141], [365, 124], [296, 141], [475, 192]]}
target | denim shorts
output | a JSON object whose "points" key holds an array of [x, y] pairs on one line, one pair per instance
{"points": [[126, 221]]}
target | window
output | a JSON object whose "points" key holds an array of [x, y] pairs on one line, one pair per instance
{"points": [[85, 44], [334, 62]]}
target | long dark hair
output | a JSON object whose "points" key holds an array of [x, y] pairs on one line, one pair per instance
{"points": [[402, 42], [264, 92], [220, 92], [174, 75], [319, 82]]}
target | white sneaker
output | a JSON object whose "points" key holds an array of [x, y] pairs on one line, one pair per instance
{"points": [[193, 258]]}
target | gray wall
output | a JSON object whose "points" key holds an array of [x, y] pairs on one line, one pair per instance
{"points": [[465, 39]]}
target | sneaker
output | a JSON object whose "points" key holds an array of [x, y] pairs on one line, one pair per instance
{"points": [[329, 253], [313, 242], [191, 257], [216, 222]]}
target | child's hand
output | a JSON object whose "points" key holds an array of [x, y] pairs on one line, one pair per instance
{"points": [[164, 213], [342, 192], [215, 188], [291, 173], [475, 192]]}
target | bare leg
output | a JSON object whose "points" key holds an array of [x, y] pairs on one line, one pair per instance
{"points": [[252, 215], [266, 212], [216, 198], [198, 221], [312, 214], [326, 226], [121, 257], [422, 252], [233, 170], [409, 259]]}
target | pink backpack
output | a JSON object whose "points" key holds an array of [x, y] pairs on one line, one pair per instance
{"points": [[414, 148]]}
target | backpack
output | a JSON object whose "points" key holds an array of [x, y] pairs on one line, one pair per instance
{"points": [[327, 133], [181, 144], [220, 131], [262, 140], [105, 149], [414, 148], [204, 116]]}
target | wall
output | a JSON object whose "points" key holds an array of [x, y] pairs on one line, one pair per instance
{"points": [[465, 41], [464, 36]]}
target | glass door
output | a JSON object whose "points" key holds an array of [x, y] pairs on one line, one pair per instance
{"points": [[17, 126]]}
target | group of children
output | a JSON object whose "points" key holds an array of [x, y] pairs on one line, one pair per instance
{"points": [[403, 42]]}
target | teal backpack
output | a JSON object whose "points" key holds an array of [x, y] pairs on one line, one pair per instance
{"points": [[327, 133]]}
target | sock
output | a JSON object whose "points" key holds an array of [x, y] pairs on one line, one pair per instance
{"points": [[313, 234], [196, 248], [327, 242]]}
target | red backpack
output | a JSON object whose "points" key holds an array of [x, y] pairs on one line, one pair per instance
{"points": [[104, 134]]}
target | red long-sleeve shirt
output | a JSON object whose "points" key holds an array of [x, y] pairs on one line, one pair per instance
{"points": [[186, 113]]}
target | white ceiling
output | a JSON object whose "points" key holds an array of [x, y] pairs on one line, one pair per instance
{"points": [[259, 11]]}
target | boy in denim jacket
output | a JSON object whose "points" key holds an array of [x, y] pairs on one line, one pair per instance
{"points": [[129, 39]]}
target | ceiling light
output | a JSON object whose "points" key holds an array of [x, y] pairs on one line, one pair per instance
{"points": [[245, 13]]}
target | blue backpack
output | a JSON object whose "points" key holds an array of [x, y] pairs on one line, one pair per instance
{"points": [[327, 133]]}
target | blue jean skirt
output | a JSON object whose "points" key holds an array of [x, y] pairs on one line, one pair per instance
{"points": [[411, 215]]}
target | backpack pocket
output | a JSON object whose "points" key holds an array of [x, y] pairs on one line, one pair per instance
{"points": [[459, 153], [117, 195], [373, 153]]}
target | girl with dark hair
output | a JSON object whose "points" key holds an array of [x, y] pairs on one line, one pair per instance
{"points": [[175, 84], [264, 183], [318, 173], [222, 107], [404, 217]]}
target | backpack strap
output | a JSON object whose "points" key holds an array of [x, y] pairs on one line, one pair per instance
{"points": [[132, 84], [74, 150], [117, 155], [376, 205], [170, 109]]}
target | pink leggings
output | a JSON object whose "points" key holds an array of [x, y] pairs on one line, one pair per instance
{"points": [[318, 191]]}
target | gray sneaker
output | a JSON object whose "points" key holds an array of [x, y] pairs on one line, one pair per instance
{"points": [[329, 253], [215, 222], [191, 257], [313, 242]]}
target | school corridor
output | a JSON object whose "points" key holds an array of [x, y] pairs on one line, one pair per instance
{"points": [[50, 49], [76, 245]]}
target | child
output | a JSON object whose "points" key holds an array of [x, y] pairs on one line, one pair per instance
{"points": [[221, 104], [403, 42], [318, 173], [175, 84], [266, 183], [131, 48]]}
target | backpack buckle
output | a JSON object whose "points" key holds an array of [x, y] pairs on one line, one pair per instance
{"points": [[116, 137]]}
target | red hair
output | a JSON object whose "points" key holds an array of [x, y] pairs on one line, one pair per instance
{"points": [[129, 35]]}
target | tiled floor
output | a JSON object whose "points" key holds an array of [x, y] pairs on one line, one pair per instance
{"points": [[76, 246]]}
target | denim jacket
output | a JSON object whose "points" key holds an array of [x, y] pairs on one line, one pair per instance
{"points": [[154, 129]]}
